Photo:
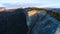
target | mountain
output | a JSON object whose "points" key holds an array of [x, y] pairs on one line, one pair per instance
{"points": [[35, 15], [54, 9]]}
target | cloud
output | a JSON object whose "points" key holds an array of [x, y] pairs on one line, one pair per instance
{"points": [[1, 5], [30, 3]]}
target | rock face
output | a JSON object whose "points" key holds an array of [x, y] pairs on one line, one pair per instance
{"points": [[32, 15], [13, 22], [41, 22]]}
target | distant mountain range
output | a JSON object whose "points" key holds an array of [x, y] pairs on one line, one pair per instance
{"points": [[55, 9]]}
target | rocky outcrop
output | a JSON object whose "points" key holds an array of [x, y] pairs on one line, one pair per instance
{"points": [[42, 21]]}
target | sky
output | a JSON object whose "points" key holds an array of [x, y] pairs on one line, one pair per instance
{"points": [[30, 3]]}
